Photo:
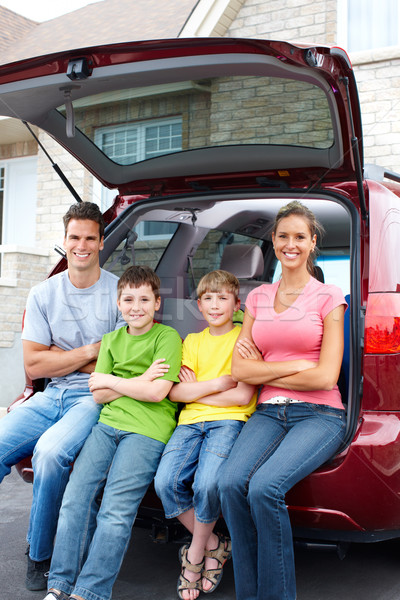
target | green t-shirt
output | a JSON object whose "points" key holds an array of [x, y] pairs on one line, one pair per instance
{"points": [[127, 356]]}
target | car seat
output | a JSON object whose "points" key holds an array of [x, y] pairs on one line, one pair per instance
{"points": [[246, 261]]}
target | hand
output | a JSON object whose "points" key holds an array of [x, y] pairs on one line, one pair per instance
{"points": [[98, 381], [186, 375], [157, 369], [225, 383], [247, 349]]}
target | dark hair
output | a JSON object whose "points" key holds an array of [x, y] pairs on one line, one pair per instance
{"points": [[137, 276], [216, 281], [297, 208], [84, 210]]}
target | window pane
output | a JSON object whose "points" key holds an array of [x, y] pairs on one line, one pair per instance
{"points": [[1, 207], [209, 253], [1, 202], [119, 144], [153, 238], [267, 111], [132, 143], [372, 24], [163, 139], [155, 228]]}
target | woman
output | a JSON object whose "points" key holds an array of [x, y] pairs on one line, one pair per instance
{"points": [[291, 343]]}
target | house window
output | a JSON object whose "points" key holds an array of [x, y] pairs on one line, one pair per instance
{"points": [[18, 183], [2, 173], [368, 24], [133, 142]]}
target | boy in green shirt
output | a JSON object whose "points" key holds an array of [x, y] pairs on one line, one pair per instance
{"points": [[135, 371]]}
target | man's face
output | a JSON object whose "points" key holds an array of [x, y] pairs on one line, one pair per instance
{"points": [[82, 243]]}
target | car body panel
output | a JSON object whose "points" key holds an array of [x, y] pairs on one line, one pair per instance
{"points": [[370, 468], [233, 190], [168, 62]]}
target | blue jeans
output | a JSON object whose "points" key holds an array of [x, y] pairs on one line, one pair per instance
{"points": [[91, 541], [190, 468], [52, 425], [278, 446]]}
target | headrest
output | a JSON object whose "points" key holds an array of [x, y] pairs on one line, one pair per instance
{"points": [[246, 261]]}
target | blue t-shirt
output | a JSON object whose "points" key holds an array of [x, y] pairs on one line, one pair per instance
{"points": [[58, 313]]}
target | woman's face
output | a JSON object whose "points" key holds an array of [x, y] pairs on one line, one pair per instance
{"points": [[293, 242]]}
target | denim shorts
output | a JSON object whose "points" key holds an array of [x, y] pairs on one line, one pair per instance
{"points": [[190, 468]]}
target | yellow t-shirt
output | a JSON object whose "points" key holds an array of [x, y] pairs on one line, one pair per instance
{"points": [[210, 356]]}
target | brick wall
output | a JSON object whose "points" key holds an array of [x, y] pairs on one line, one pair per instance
{"points": [[289, 20], [378, 81], [18, 150], [377, 72], [193, 107], [262, 110], [21, 269], [53, 197]]}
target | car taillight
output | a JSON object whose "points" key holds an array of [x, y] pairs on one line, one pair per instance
{"points": [[382, 323]]}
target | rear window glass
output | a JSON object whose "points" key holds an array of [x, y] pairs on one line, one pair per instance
{"points": [[209, 253], [144, 245], [336, 269], [136, 124]]}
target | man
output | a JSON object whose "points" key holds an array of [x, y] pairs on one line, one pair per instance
{"points": [[66, 317]]}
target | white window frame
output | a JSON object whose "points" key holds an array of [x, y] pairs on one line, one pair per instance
{"points": [[103, 196], [343, 27], [19, 198]]}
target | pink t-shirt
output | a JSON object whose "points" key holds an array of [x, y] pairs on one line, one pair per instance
{"points": [[295, 333]]}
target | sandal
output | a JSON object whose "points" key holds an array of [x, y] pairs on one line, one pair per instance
{"points": [[183, 583], [182, 550], [56, 595], [221, 553]]}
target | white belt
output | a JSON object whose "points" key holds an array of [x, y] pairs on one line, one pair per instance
{"points": [[281, 400]]}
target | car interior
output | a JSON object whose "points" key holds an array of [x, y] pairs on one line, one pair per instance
{"points": [[183, 240]]}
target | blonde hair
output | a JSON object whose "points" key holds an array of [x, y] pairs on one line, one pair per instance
{"points": [[216, 281], [297, 208]]}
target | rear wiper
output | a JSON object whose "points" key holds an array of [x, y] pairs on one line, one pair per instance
{"points": [[54, 165]]}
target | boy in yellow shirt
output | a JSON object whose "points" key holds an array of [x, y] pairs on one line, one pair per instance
{"points": [[215, 409]]}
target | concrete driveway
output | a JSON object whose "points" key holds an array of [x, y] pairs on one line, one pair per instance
{"points": [[150, 570]]}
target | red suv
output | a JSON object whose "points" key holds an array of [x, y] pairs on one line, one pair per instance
{"points": [[205, 139]]}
